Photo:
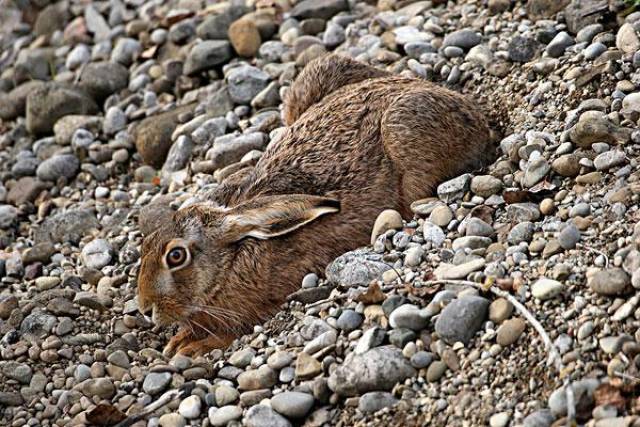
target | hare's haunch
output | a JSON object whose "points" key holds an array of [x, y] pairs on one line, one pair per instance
{"points": [[359, 141]]}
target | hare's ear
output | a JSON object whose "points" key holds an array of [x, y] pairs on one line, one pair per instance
{"points": [[271, 216]]}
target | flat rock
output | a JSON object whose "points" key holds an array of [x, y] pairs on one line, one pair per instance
{"points": [[48, 103], [377, 369], [356, 268]]}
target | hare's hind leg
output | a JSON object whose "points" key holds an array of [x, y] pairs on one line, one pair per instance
{"points": [[321, 77], [431, 135]]}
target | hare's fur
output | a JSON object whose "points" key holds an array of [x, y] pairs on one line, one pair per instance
{"points": [[357, 136]]}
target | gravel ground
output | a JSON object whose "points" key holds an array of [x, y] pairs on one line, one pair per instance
{"points": [[107, 107]]}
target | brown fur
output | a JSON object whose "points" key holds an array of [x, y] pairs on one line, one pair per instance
{"points": [[357, 135]]}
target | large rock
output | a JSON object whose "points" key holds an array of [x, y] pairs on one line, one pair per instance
{"points": [[595, 126], [216, 27], [580, 13], [225, 153], [461, 319], [69, 226], [52, 18], [356, 268], [153, 135], [543, 9], [378, 369], [206, 55], [245, 82], [13, 104], [101, 79], [34, 64], [323, 9], [46, 104]]}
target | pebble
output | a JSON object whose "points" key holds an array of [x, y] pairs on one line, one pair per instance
{"points": [[190, 407], [376, 369], [223, 415], [156, 382], [388, 219], [375, 401], [461, 319], [544, 289], [611, 282], [262, 415], [510, 331], [292, 404]]}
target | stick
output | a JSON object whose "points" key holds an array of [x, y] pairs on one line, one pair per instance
{"points": [[589, 248], [554, 355]]}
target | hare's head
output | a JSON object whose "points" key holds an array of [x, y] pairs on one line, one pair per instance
{"points": [[191, 259]]}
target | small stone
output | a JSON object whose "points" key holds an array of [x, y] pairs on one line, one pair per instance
{"points": [[172, 420], [522, 232], [126, 51], [569, 237], [114, 120], [206, 55], [627, 39], [609, 159], [356, 268], [8, 303], [501, 419], [409, 316], [263, 377], [421, 359], [225, 395], [349, 320], [441, 216], [262, 415], [190, 407], [219, 417], [500, 310], [610, 282], [522, 49], [245, 82], [454, 189], [559, 44], [97, 254], [566, 165], [307, 366], [436, 370], [545, 289], [461, 319], [62, 165], [156, 382], [377, 369], [388, 219], [292, 404], [375, 401], [245, 37], [486, 185], [465, 38], [322, 9], [510, 331]]}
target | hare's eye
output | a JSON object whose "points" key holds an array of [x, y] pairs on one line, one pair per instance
{"points": [[176, 257]]}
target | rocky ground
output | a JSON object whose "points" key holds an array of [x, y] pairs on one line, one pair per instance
{"points": [[106, 106]]}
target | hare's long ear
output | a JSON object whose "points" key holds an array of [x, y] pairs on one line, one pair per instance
{"points": [[271, 216]]}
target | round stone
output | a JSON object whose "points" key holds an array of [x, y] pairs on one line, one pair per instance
{"points": [[292, 404]]}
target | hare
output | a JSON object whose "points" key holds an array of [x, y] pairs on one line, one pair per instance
{"points": [[359, 140]]}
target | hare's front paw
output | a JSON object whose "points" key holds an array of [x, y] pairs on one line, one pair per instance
{"points": [[185, 343], [180, 340]]}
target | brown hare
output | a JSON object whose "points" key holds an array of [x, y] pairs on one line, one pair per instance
{"points": [[359, 140]]}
